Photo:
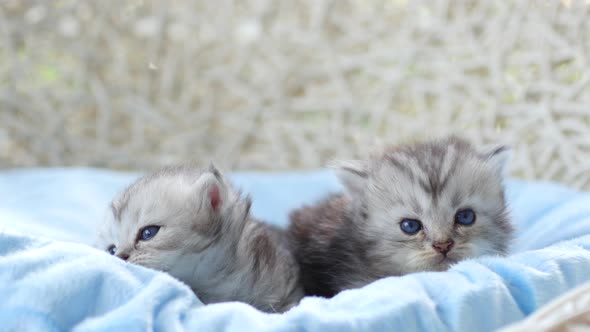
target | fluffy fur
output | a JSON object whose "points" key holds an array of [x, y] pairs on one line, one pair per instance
{"points": [[351, 239], [207, 239]]}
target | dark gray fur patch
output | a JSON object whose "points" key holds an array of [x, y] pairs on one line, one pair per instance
{"points": [[328, 245]]}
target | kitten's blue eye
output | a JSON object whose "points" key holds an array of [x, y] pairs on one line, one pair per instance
{"points": [[465, 217], [410, 226], [111, 249], [148, 232]]}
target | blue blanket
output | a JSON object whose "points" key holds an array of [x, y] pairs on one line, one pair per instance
{"points": [[51, 281]]}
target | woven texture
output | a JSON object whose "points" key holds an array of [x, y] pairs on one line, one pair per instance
{"points": [[568, 313], [261, 84]]}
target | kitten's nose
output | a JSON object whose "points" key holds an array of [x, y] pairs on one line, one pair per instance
{"points": [[443, 247], [124, 256]]}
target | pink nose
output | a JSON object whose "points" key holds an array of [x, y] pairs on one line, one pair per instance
{"points": [[443, 247]]}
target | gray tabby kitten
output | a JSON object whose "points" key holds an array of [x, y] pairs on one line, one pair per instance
{"points": [[410, 208], [191, 224]]}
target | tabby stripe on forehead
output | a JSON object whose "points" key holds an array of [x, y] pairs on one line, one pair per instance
{"points": [[449, 174], [402, 167], [437, 182], [450, 171]]}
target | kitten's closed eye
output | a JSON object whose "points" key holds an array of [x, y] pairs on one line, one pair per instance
{"points": [[147, 233]]}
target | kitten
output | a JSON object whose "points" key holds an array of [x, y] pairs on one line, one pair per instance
{"points": [[411, 208], [193, 225]]}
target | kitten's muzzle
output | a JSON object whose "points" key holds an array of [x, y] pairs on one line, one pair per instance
{"points": [[443, 247]]}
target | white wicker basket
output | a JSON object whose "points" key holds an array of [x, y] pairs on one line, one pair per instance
{"points": [[292, 84]]}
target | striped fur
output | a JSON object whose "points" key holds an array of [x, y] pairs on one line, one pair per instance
{"points": [[222, 253], [351, 239]]}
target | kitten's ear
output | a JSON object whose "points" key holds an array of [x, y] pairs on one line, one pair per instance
{"points": [[353, 174], [212, 188], [497, 156]]}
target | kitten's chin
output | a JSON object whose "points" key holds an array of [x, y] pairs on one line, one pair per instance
{"points": [[436, 263], [443, 263]]}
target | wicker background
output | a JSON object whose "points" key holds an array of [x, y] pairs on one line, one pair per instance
{"points": [[264, 84]]}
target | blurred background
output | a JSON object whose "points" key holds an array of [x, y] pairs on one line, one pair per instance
{"points": [[276, 85]]}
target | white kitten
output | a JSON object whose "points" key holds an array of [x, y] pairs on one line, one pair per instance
{"points": [[193, 225]]}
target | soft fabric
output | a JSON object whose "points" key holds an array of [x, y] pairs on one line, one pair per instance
{"points": [[568, 313], [53, 284]]}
